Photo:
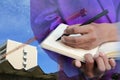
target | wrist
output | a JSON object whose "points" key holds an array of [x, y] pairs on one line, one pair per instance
{"points": [[111, 33], [117, 25]]}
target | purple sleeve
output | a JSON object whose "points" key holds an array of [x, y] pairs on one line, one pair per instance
{"points": [[44, 18], [117, 9]]}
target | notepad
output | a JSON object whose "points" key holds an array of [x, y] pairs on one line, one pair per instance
{"points": [[111, 49]]}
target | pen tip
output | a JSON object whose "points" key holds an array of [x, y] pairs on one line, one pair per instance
{"points": [[58, 39], [62, 36]]}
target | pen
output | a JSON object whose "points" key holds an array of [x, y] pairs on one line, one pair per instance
{"points": [[103, 13]]}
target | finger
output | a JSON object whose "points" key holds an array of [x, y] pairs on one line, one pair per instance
{"points": [[78, 39], [95, 24], [76, 63], [89, 62], [69, 29], [77, 29], [112, 63], [71, 45], [85, 46], [106, 61], [100, 64]]}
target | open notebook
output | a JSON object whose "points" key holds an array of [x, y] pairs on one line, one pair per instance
{"points": [[111, 48]]}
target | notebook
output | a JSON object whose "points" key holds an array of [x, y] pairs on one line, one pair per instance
{"points": [[111, 49]]}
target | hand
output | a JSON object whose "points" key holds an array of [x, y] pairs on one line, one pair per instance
{"points": [[92, 35], [95, 67]]}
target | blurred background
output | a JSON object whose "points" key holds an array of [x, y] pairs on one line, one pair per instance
{"points": [[15, 25]]}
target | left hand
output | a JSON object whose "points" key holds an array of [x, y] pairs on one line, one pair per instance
{"points": [[95, 67], [92, 35]]}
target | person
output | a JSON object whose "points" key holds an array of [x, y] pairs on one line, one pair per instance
{"points": [[46, 15]]}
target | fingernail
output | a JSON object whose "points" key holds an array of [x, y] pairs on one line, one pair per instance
{"points": [[101, 54], [113, 61], [96, 55], [77, 64]]}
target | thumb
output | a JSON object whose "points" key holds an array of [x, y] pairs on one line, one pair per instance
{"points": [[76, 63]]}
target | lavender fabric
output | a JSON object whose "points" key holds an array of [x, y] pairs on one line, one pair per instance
{"points": [[46, 15]]}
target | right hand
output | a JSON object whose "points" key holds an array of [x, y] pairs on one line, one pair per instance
{"points": [[93, 35]]}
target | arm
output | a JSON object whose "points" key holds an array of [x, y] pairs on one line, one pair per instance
{"points": [[93, 35], [89, 68]]}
